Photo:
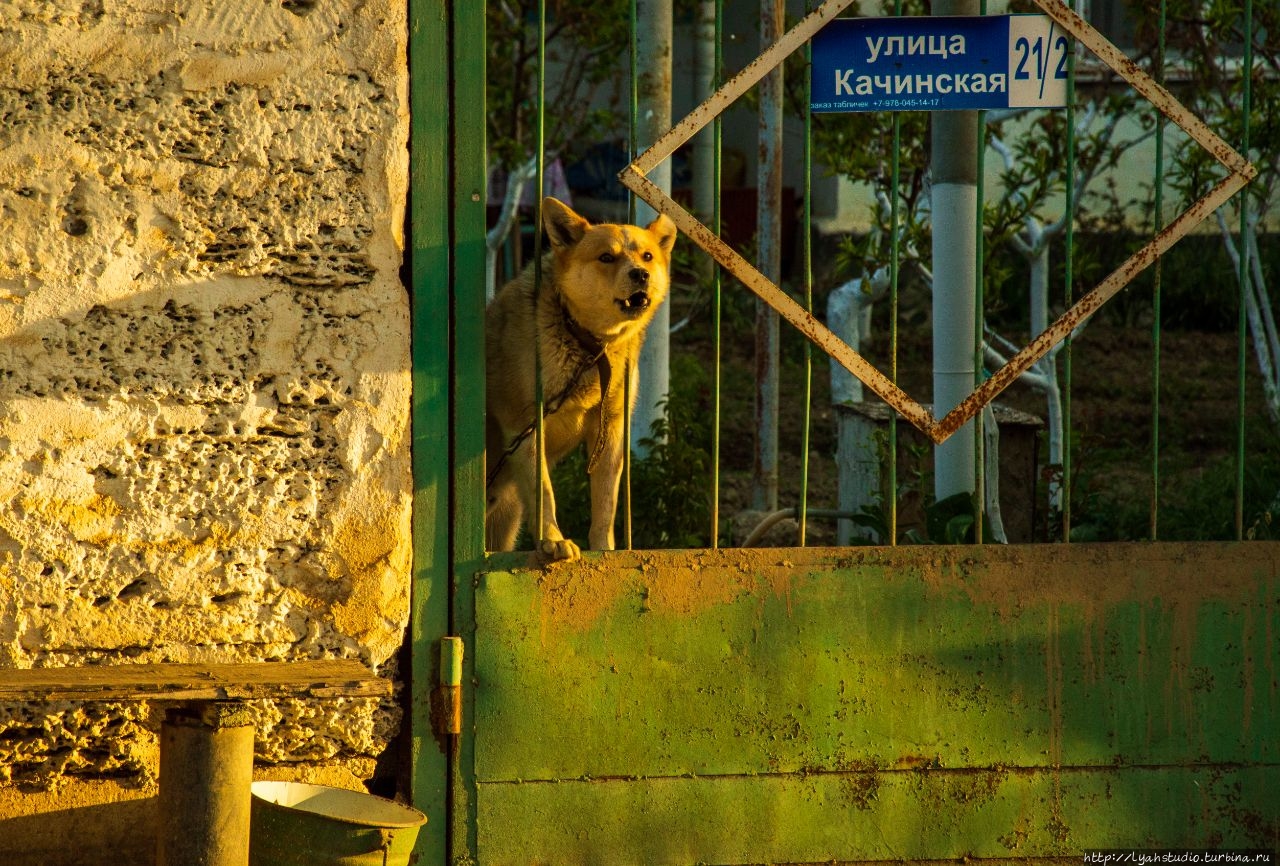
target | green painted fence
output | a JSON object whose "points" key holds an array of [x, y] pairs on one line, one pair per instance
{"points": [[805, 706], [797, 706]]}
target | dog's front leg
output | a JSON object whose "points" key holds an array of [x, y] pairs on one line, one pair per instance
{"points": [[552, 543], [605, 478]]}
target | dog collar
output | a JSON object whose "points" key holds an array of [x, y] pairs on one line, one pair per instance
{"points": [[586, 340]]}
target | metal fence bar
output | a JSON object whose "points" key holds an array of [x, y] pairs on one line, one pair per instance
{"points": [[717, 139], [895, 270], [1244, 277], [1240, 172], [803, 507], [633, 145], [979, 317], [979, 426], [1157, 291], [1069, 238], [539, 441], [633, 108]]}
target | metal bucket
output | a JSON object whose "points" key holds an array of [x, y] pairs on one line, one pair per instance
{"points": [[314, 825]]}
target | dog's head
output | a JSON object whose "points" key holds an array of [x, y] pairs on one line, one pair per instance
{"points": [[611, 277]]}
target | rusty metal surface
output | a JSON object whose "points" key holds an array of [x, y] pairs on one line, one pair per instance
{"points": [[802, 319], [1240, 173], [915, 703], [1089, 304]]}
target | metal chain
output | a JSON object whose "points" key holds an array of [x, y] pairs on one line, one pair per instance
{"points": [[551, 406]]}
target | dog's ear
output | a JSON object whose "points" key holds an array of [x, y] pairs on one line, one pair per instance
{"points": [[665, 231], [564, 227]]}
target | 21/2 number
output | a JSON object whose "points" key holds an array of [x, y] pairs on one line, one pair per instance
{"points": [[1026, 48]]}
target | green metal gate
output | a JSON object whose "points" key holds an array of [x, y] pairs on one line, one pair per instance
{"points": [[805, 706], [796, 706]]}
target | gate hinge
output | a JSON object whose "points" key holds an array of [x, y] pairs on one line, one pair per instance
{"points": [[450, 691]]}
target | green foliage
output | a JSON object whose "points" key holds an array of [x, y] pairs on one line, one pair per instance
{"points": [[951, 520], [1195, 508], [1208, 39], [590, 40], [669, 486]]}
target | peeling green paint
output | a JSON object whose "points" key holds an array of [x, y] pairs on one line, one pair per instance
{"points": [[811, 706]]}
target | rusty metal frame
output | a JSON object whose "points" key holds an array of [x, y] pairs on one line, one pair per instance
{"points": [[1240, 173]]}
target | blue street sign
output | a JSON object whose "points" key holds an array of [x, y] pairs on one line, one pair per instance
{"points": [[939, 63]]}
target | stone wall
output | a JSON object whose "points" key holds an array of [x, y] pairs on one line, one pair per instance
{"points": [[204, 345]]}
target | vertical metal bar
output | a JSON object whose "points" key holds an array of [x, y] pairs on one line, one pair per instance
{"points": [[895, 177], [626, 457], [1069, 276], [1242, 325], [539, 425], [430, 260], [467, 502], [979, 426], [979, 317], [467, 238], [1157, 289], [768, 233], [715, 288], [803, 506], [633, 101], [1245, 289]]}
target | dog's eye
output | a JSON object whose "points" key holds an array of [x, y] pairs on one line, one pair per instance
{"points": [[648, 256], [607, 258]]}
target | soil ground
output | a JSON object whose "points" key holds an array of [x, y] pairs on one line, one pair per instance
{"points": [[1111, 414]]}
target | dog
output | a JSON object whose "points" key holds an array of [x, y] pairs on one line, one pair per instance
{"points": [[601, 285]]}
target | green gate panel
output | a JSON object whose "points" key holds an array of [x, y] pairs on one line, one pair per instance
{"points": [[902, 816], [823, 696]]}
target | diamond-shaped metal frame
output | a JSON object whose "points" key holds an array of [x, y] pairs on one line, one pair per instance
{"points": [[634, 177]]}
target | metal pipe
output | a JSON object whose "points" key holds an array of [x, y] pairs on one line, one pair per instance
{"points": [[206, 770], [653, 43], [807, 273], [539, 421], [704, 77], [955, 203], [768, 236], [717, 138]]}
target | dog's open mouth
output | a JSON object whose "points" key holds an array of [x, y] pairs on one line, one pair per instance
{"points": [[636, 302]]}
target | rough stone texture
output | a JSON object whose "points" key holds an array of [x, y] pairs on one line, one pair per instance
{"points": [[204, 380]]}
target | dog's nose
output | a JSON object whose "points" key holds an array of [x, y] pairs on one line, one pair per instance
{"points": [[639, 276]]}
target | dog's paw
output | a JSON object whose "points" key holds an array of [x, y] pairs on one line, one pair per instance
{"points": [[560, 549]]}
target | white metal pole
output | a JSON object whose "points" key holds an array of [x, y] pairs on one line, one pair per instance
{"points": [[653, 69], [955, 202]]}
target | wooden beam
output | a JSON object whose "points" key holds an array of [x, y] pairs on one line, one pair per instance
{"points": [[322, 678]]}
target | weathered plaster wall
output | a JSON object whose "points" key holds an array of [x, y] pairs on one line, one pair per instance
{"points": [[204, 380]]}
